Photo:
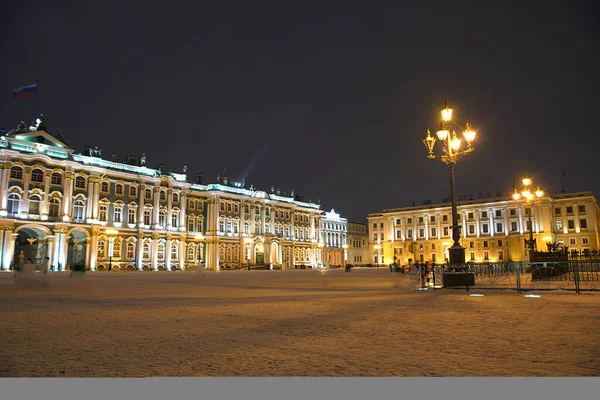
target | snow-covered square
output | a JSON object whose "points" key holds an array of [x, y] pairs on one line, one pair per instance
{"points": [[368, 322]]}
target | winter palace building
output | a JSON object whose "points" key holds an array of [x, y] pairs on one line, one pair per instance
{"points": [[492, 228], [83, 211]]}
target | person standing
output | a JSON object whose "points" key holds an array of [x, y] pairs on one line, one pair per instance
{"points": [[46, 265]]}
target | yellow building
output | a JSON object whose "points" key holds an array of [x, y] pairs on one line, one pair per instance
{"points": [[492, 228]]}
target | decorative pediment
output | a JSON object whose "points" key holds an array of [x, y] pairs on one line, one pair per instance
{"points": [[41, 139]]}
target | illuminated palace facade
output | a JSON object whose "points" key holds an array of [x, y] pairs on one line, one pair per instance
{"points": [[492, 229], [84, 211], [358, 244]]}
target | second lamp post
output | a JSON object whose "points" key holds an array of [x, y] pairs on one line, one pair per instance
{"points": [[451, 153]]}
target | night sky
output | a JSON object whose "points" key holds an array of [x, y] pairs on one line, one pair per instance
{"points": [[329, 98]]}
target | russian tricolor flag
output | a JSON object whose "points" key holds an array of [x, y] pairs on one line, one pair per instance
{"points": [[25, 91]]}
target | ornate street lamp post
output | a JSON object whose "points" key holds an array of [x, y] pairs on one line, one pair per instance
{"points": [[451, 153], [528, 196]]}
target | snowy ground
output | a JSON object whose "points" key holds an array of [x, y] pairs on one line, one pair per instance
{"points": [[369, 322]]}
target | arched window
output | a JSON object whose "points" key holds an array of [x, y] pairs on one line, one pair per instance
{"points": [[131, 214], [174, 219], [247, 209], [34, 204], [190, 227], [116, 249], [162, 218], [229, 253], [104, 187], [80, 182], [101, 249], [221, 253], [148, 193], [103, 212], [130, 251], [78, 210], [247, 228], [147, 215], [174, 252], [13, 203], [199, 223], [267, 212], [163, 195], [56, 179], [221, 225], [161, 251], [132, 191], [119, 189], [37, 175], [118, 213], [175, 198], [146, 251], [54, 207], [16, 173], [191, 253]]}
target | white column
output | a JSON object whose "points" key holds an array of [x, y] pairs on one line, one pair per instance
{"points": [[168, 253], [492, 227], [96, 200], [520, 212], [139, 259], [45, 205], [140, 210], [155, 252], [94, 248], [169, 208], [9, 249], [182, 208], [50, 248], [182, 254], [62, 254], [477, 223], [156, 208], [6, 254], [25, 200], [89, 211], [67, 195], [5, 168], [506, 227]]}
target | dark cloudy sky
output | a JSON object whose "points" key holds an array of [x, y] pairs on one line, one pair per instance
{"points": [[331, 98]]}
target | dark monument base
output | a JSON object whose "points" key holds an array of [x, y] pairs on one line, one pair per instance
{"points": [[459, 279], [457, 255]]}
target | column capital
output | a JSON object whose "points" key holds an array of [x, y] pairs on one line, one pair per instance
{"points": [[69, 175]]}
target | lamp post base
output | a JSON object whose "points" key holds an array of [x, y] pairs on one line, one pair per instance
{"points": [[456, 255]]}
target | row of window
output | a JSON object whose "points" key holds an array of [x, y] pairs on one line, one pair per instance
{"points": [[571, 224], [194, 252], [580, 209], [483, 214], [332, 226]]}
